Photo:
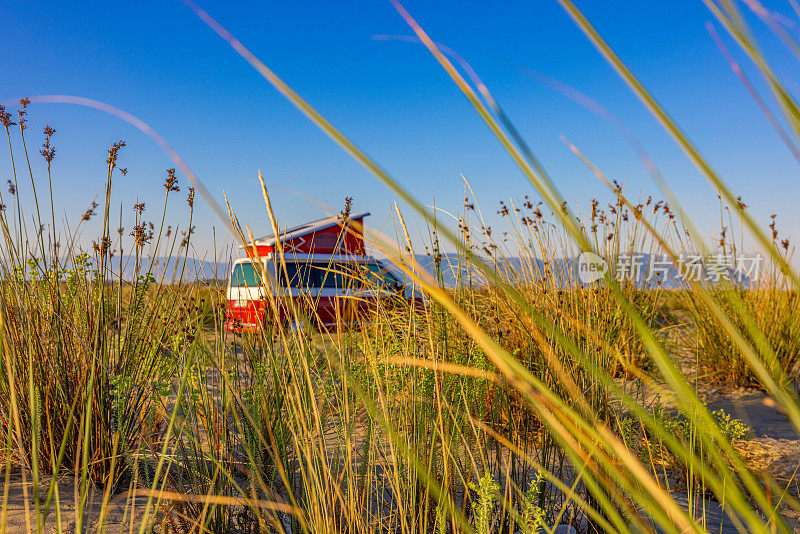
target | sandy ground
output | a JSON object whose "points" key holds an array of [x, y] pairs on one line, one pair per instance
{"points": [[772, 449], [117, 512], [774, 445]]}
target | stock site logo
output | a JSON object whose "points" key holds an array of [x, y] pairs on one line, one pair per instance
{"points": [[591, 267]]}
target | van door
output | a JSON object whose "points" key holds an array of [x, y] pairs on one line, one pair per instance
{"points": [[245, 309], [331, 306]]}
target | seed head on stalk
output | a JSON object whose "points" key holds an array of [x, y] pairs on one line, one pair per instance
{"points": [[141, 235], [103, 246], [344, 215], [739, 204], [22, 112], [171, 181], [90, 212], [113, 153], [47, 151], [186, 236], [5, 118]]}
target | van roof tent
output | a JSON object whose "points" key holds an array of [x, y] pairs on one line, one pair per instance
{"points": [[317, 237]]}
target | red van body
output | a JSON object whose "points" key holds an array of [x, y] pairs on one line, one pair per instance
{"points": [[325, 275]]}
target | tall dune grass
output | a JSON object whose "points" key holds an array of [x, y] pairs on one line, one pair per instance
{"points": [[768, 298]]}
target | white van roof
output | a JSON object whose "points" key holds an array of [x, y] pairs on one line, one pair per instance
{"points": [[291, 257]]}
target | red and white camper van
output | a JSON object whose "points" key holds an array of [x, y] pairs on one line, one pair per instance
{"points": [[327, 276]]}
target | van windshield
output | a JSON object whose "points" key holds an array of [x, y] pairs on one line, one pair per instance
{"points": [[244, 275]]}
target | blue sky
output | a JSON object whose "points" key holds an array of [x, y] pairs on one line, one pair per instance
{"points": [[159, 62]]}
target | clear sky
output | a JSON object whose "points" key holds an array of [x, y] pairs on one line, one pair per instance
{"points": [[159, 62]]}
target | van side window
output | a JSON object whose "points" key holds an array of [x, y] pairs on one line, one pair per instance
{"points": [[244, 275], [332, 275], [301, 275], [335, 275]]}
